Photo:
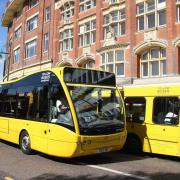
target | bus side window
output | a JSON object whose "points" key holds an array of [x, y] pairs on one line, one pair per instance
{"points": [[42, 103], [135, 109], [22, 107], [166, 110], [38, 105], [9, 102]]}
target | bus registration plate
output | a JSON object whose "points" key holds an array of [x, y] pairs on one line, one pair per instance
{"points": [[103, 150]]}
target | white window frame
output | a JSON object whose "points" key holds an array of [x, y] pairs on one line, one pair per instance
{"points": [[86, 4], [46, 42], [114, 62], [33, 21], [67, 11], [47, 14], [178, 11], [66, 40], [17, 53], [109, 23], [18, 33], [31, 44], [157, 8], [87, 31], [160, 59]]}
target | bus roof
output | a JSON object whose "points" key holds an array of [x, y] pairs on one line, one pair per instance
{"points": [[55, 70], [167, 89]]}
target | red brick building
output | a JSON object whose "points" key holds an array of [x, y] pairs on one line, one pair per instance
{"points": [[139, 40]]}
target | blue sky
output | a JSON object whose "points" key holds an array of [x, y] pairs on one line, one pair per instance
{"points": [[3, 35]]}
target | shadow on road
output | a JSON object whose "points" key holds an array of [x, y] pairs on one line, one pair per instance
{"points": [[97, 159], [156, 176], [9, 143]]}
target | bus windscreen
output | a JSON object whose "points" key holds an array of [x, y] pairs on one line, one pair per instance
{"points": [[87, 76]]}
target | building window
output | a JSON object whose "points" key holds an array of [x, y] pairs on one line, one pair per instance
{"points": [[32, 3], [150, 14], [178, 10], [16, 55], [113, 61], [32, 23], [87, 4], [46, 42], [47, 14], [67, 10], [87, 33], [162, 17], [150, 20], [17, 33], [114, 22], [31, 48], [153, 62], [66, 40]]}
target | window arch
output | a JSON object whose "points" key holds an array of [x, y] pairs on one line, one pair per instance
{"points": [[153, 62], [88, 64]]}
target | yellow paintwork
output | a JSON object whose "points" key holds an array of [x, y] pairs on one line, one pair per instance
{"points": [[55, 140], [155, 138]]}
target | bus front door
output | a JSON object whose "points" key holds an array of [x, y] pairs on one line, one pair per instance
{"points": [[38, 135]]}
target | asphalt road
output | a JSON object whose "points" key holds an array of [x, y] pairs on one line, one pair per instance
{"points": [[14, 165]]}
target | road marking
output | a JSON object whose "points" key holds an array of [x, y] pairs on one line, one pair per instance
{"points": [[116, 172], [8, 178]]}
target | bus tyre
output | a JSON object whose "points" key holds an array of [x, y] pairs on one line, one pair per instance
{"points": [[25, 143], [133, 144]]}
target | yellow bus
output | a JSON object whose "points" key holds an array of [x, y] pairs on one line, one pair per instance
{"points": [[65, 112], [153, 114]]}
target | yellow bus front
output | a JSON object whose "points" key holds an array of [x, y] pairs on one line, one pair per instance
{"points": [[93, 121]]}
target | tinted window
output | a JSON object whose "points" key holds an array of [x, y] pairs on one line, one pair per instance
{"points": [[59, 108], [83, 76], [166, 110], [135, 109], [9, 102], [38, 104], [26, 98], [22, 106]]}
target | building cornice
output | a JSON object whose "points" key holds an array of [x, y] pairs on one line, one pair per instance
{"points": [[11, 7], [113, 46], [113, 7]]}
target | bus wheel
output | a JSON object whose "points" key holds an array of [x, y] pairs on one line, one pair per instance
{"points": [[133, 144], [25, 143]]}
